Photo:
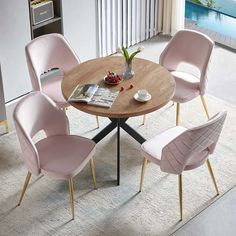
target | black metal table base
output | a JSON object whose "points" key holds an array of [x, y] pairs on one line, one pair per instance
{"points": [[118, 123]]}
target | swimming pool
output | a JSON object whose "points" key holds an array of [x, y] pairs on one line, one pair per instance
{"points": [[211, 19], [225, 6]]}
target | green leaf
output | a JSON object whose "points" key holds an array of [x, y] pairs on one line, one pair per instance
{"points": [[126, 54], [133, 55]]}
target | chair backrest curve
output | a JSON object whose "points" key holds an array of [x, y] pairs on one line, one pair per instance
{"points": [[47, 52], [178, 153], [33, 113], [191, 47]]}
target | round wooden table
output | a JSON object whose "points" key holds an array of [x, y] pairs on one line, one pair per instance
{"points": [[148, 75]]}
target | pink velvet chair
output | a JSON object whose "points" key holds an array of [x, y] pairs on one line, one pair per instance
{"points": [[179, 149], [47, 52], [59, 155], [195, 49]]}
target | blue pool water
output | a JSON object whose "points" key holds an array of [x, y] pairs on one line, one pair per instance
{"points": [[211, 19], [226, 6]]}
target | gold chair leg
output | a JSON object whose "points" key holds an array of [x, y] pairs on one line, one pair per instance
{"points": [[205, 106], [5, 124], [71, 191], [63, 109], [142, 173], [212, 176], [180, 197], [27, 179], [93, 173], [177, 113], [144, 119], [97, 120]]}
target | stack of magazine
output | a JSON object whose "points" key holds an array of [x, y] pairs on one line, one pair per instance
{"points": [[92, 94]]}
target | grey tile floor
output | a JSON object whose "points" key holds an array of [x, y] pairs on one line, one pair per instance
{"points": [[222, 75], [217, 220], [217, 37]]}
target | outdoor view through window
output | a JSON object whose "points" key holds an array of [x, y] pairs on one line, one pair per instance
{"points": [[215, 15]]}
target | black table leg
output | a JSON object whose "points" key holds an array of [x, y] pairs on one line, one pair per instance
{"points": [[119, 123], [103, 133], [118, 151], [132, 132]]}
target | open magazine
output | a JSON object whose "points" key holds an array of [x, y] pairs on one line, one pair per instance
{"points": [[92, 94]]}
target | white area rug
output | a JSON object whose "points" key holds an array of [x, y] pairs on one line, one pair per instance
{"points": [[115, 210]]}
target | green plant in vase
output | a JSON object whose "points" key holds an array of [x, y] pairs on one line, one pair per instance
{"points": [[128, 72]]}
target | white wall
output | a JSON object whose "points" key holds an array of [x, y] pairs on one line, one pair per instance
{"points": [[14, 35], [80, 27], [79, 18]]}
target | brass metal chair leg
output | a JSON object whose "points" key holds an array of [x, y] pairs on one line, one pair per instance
{"points": [[205, 106], [27, 179], [92, 169], [144, 119], [71, 191], [180, 197], [177, 113], [212, 176], [97, 120], [6, 126], [64, 109], [142, 173]]}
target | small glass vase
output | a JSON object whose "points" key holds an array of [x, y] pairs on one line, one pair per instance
{"points": [[128, 73]]}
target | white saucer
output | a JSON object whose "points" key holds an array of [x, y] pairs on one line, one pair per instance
{"points": [[137, 98]]}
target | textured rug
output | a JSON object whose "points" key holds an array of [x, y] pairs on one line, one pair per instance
{"points": [[111, 209]]}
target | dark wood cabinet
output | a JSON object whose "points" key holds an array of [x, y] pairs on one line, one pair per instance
{"points": [[54, 25]]}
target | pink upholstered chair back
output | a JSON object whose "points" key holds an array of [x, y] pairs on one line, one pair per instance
{"points": [[47, 52], [34, 113], [195, 143], [191, 47]]}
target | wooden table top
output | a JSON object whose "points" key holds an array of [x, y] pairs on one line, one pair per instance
{"points": [[148, 75]]}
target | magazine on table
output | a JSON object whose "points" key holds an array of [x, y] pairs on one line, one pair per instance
{"points": [[92, 94]]}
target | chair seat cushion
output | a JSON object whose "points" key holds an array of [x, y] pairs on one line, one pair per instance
{"points": [[52, 88], [187, 86], [152, 149], [64, 156]]}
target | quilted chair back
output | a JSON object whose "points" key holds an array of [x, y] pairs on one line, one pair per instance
{"points": [[191, 47], [192, 147], [36, 112], [47, 52]]}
